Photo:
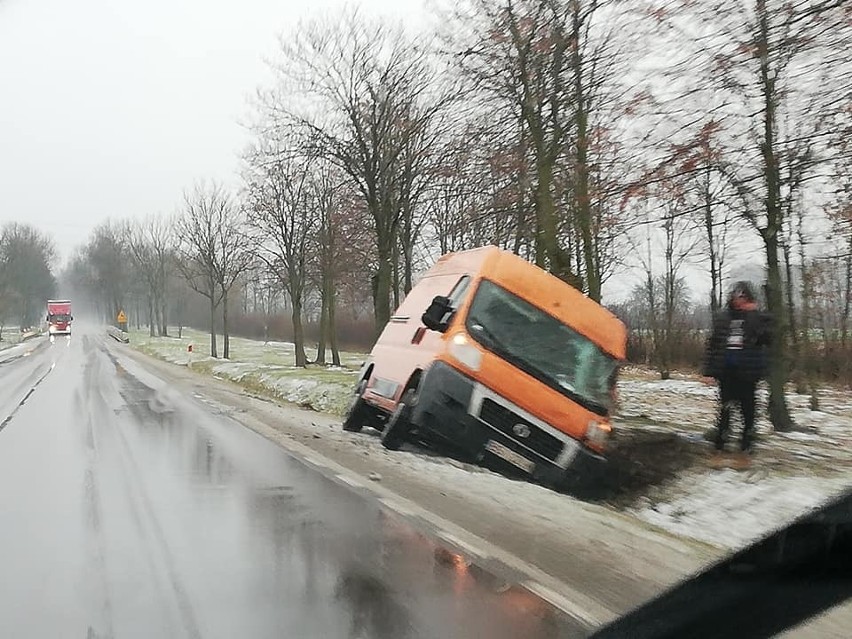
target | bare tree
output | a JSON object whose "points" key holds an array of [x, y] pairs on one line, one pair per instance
{"points": [[109, 257], [663, 294], [213, 249], [363, 93], [479, 194], [27, 257], [285, 220], [551, 68], [326, 194], [150, 243], [773, 73]]}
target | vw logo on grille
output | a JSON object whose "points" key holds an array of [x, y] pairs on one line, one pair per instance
{"points": [[521, 430]]}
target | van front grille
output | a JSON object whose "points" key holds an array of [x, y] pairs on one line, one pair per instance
{"points": [[505, 420]]}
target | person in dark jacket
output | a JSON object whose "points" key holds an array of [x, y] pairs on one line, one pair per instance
{"points": [[736, 357]]}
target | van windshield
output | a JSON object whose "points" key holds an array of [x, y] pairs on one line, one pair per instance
{"points": [[542, 346]]}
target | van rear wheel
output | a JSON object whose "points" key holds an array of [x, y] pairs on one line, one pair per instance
{"points": [[399, 425], [356, 415]]}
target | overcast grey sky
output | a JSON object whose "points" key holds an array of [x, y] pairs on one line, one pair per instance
{"points": [[111, 108]]}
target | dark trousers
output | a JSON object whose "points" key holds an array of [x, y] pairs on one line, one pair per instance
{"points": [[733, 393]]}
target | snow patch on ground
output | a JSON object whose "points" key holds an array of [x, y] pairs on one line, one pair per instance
{"points": [[671, 386], [262, 367], [791, 472], [14, 350], [322, 396], [728, 510]]}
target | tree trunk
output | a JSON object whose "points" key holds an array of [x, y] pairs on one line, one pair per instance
{"points": [[548, 232], [806, 361], [790, 309], [158, 315], [323, 335], [779, 415], [847, 297], [582, 203], [213, 350], [299, 335], [164, 318], [382, 286], [715, 275], [778, 411], [407, 246], [396, 282], [226, 338], [408, 268], [332, 323], [151, 320]]}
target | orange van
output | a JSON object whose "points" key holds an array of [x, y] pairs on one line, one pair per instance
{"points": [[493, 356]]}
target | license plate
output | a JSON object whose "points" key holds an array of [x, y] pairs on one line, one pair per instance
{"points": [[510, 456]]}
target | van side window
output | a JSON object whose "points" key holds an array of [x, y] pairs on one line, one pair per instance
{"points": [[457, 295]]}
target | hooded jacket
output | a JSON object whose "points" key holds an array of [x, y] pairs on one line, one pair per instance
{"points": [[738, 345]]}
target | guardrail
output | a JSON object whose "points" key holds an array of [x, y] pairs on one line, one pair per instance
{"points": [[118, 334]]}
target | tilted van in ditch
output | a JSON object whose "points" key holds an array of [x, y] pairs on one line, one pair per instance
{"points": [[493, 356]]}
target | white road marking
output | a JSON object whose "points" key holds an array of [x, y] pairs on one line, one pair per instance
{"points": [[558, 601], [459, 543], [349, 481], [397, 507], [315, 461]]}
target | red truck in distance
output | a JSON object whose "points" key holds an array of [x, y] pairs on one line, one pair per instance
{"points": [[59, 317]]}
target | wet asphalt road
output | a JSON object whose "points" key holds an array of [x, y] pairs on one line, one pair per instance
{"points": [[128, 510]]}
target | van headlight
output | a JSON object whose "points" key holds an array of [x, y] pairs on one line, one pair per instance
{"points": [[464, 352], [597, 433]]}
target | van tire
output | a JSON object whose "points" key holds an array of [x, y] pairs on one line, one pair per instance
{"points": [[358, 411], [399, 425]]}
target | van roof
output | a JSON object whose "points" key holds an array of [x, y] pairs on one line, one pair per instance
{"points": [[546, 291]]}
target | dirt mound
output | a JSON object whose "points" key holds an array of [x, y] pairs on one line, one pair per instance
{"points": [[640, 460]]}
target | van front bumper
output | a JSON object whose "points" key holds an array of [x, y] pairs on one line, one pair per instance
{"points": [[443, 412]]}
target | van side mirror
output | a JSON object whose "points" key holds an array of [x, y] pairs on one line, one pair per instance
{"points": [[437, 317]]}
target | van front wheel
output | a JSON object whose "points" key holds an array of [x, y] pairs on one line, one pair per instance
{"points": [[399, 424], [356, 416]]}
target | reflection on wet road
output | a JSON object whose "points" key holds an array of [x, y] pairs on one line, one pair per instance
{"points": [[127, 510]]}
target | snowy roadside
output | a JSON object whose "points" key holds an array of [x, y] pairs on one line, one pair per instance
{"points": [[791, 472], [265, 368], [11, 337], [659, 451], [21, 348]]}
